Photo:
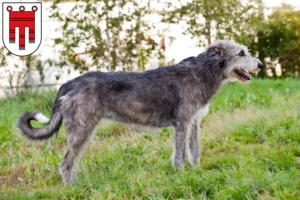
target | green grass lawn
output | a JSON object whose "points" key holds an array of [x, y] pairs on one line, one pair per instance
{"points": [[250, 148]]}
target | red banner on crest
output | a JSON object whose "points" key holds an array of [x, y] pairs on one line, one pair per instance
{"points": [[21, 19]]}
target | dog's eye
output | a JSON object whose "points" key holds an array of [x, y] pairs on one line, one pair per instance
{"points": [[242, 53]]}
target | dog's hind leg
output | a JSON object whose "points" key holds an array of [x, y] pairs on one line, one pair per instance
{"points": [[78, 135]]}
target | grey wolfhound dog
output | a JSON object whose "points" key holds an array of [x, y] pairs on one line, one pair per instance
{"points": [[177, 95]]}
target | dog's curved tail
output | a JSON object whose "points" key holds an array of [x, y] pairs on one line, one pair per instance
{"points": [[48, 130]]}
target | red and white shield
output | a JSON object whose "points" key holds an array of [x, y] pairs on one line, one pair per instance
{"points": [[22, 27]]}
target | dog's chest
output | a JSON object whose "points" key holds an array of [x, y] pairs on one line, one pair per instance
{"points": [[202, 112]]}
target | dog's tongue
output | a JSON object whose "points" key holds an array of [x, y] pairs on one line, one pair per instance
{"points": [[246, 74]]}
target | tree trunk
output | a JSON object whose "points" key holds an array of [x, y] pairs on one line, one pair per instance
{"points": [[119, 43], [108, 47], [262, 73], [207, 22]]}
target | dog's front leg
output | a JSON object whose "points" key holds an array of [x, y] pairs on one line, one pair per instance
{"points": [[180, 144], [194, 134], [193, 142]]}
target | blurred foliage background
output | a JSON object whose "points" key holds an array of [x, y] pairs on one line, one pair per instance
{"points": [[120, 35]]}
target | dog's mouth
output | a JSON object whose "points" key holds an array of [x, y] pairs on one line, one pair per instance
{"points": [[242, 74]]}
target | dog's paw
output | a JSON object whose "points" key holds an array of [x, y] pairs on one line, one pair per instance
{"points": [[178, 164], [194, 162]]}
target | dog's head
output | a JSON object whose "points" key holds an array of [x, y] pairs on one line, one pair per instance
{"points": [[235, 58]]}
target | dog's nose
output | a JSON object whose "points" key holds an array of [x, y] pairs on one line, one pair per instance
{"points": [[260, 65]]}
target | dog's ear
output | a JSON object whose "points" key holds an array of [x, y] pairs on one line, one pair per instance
{"points": [[215, 54], [216, 49]]}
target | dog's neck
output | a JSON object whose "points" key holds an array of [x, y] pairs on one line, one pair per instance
{"points": [[210, 74]]}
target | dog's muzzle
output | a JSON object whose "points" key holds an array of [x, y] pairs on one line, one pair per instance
{"points": [[260, 64]]}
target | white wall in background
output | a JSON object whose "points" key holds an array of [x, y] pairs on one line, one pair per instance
{"points": [[181, 48]]}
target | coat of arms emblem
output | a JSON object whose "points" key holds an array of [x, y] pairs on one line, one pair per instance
{"points": [[22, 27]]}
